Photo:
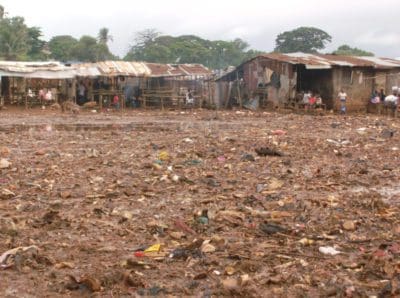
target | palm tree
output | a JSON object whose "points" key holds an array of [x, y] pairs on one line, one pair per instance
{"points": [[104, 37]]}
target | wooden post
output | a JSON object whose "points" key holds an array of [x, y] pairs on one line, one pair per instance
{"points": [[209, 91], [202, 94], [238, 89], [228, 94], [26, 97]]}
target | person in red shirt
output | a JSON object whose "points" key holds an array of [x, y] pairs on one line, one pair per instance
{"points": [[312, 101], [116, 102]]}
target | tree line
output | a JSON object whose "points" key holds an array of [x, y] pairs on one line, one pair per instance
{"points": [[20, 42]]}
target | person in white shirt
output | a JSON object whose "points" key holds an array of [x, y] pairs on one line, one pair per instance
{"points": [[306, 97], [48, 96], [30, 93], [391, 103], [189, 98], [343, 98], [81, 93]]}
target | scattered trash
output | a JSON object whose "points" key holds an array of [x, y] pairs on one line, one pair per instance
{"points": [[188, 140], [184, 227], [278, 132], [387, 133], [179, 253], [8, 258], [231, 284], [163, 156], [4, 163], [86, 283], [221, 158], [339, 142], [328, 250], [206, 247], [229, 270], [349, 225], [269, 228], [150, 202], [139, 254], [153, 248], [4, 151], [265, 151], [306, 241], [247, 157], [202, 218], [275, 184], [361, 130], [192, 162]]}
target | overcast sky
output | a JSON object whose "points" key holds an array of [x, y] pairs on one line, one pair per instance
{"points": [[370, 25]]}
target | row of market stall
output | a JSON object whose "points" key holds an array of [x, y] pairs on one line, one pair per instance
{"points": [[133, 83]]}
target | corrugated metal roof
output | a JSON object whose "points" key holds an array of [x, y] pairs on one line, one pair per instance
{"points": [[87, 71], [57, 70], [327, 61], [113, 68], [194, 69], [163, 70], [141, 69], [44, 70]]}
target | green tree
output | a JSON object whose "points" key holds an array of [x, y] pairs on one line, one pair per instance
{"points": [[103, 53], [88, 50], [36, 44], [150, 46], [302, 39], [349, 51], [62, 46], [14, 38], [17, 40]]}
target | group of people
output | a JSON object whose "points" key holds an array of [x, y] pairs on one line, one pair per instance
{"points": [[391, 101], [44, 94], [311, 100]]}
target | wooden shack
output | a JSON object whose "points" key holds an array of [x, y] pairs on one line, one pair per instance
{"points": [[277, 79], [24, 83], [143, 84]]}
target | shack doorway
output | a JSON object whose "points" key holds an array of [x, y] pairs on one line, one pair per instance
{"points": [[318, 81], [5, 88]]}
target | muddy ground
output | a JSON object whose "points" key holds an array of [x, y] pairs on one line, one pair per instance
{"points": [[241, 203]]}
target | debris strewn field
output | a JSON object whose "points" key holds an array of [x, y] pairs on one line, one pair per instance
{"points": [[172, 203]]}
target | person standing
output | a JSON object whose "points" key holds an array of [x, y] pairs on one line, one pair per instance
{"points": [[81, 93], [382, 96], [391, 103], [343, 98]]}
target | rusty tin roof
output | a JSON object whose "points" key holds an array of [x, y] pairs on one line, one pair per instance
{"points": [[327, 60], [140, 69]]}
